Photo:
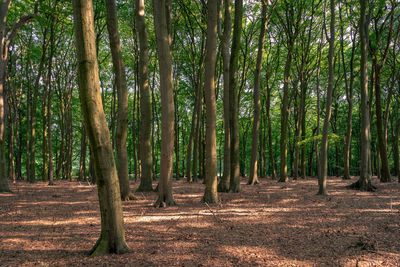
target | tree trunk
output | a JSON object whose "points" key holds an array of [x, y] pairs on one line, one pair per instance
{"points": [[253, 179], [112, 237], [145, 106], [120, 82], [82, 160], [364, 182], [162, 13], [234, 185], [324, 143], [211, 194], [285, 115], [223, 185], [382, 144]]}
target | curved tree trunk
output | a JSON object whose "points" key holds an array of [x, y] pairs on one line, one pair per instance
{"points": [[112, 237], [120, 82], [145, 106]]}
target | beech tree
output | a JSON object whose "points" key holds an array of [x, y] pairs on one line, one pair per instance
{"points": [[211, 194], [120, 82], [162, 20], [112, 237], [324, 143], [145, 106]]}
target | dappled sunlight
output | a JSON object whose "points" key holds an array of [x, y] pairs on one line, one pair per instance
{"points": [[263, 225]]}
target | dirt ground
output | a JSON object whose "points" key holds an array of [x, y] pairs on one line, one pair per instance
{"points": [[270, 224]]}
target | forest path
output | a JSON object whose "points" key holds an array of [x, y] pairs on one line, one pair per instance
{"points": [[270, 224]]}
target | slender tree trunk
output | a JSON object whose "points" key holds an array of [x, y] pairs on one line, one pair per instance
{"points": [[82, 160], [223, 185], [211, 194], [364, 182], [269, 129], [112, 237], [120, 82], [234, 185], [145, 106], [162, 19], [285, 115], [324, 143], [253, 179], [382, 145]]}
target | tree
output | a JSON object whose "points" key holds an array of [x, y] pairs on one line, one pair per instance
{"points": [[120, 82], [234, 185], [328, 111], [364, 182], [7, 36], [145, 106], [253, 178], [377, 67], [162, 13], [211, 194], [112, 237], [223, 185]]}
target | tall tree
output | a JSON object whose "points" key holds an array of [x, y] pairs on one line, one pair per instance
{"points": [[7, 35], [223, 185], [378, 61], [234, 185], [211, 194], [162, 20], [112, 237], [328, 110], [364, 182], [253, 178], [120, 83], [145, 106]]}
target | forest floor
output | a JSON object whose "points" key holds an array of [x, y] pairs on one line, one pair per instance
{"points": [[270, 224]]}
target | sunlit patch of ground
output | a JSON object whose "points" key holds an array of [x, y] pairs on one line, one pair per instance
{"points": [[270, 224]]}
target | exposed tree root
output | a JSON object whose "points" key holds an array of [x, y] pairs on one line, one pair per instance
{"points": [[164, 202], [283, 180], [102, 247], [223, 187], [365, 186], [145, 189], [128, 197]]}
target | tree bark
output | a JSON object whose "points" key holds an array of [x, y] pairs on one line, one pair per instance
{"points": [[223, 185], [120, 82], [364, 182], [112, 237], [145, 106], [211, 194], [234, 185], [324, 143], [5, 42], [162, 13], [253, 178]]}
